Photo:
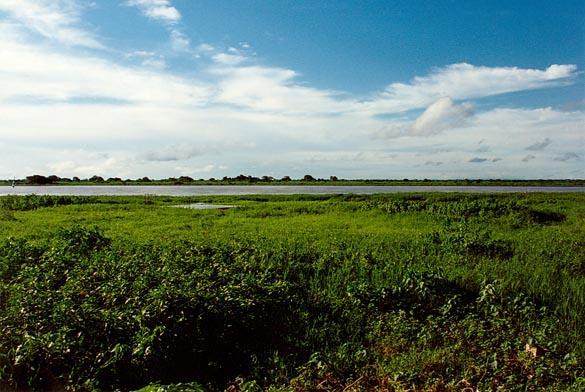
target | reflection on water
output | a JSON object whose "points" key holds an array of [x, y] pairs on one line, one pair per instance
{"points": [[197, 190], [204, 206]]}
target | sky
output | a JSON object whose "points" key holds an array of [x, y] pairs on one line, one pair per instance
{"points": [[356, 89]]}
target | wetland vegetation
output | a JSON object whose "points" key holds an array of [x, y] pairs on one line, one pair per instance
{"points": [[293, 293]]}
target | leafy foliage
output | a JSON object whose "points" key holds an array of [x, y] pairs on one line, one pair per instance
{"points": [[31, 202], [251, 305]]}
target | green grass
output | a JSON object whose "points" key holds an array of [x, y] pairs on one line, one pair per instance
{"points": [[382, 292]]}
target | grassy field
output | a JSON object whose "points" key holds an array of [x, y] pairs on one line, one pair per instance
{"points": [[294, 293]]}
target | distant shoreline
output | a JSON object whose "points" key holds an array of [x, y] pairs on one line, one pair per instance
{"points": [[328, 183]]}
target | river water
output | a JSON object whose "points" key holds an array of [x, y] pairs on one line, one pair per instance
{"points": [[199, 190]]}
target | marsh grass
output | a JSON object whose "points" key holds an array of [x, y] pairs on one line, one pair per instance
{"points": [[383, 292], [7, 215]]}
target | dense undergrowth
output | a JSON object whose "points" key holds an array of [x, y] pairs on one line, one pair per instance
{"points": [[434, 292]]}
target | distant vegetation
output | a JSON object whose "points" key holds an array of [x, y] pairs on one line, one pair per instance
{"points": [[286, 180], [438, 292]]}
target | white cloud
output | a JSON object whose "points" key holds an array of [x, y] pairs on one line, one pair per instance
{"points": [[82, 163], [159, 10], [441, 115], [69, 99], [58, 20], [163, 11], [205, 169], [149, 59], [205, 48], [141, 53], [179, 41], [31, 72], [228, 59], [173, 153], [155, 63], [183, 152], [284, 145], [277, 89], [466, 81], [274, 89]]}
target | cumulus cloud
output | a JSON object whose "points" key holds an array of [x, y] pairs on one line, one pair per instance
{"points": [[539, 145], [159, 10], [58, 20], [441, 115]]}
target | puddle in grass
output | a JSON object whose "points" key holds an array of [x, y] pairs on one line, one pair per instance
{"points": [[204, 206]]}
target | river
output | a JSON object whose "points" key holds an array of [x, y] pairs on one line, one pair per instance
{"points": [[199, 190]]}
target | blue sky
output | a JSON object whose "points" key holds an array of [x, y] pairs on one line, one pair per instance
{"points": [[357, 89]]}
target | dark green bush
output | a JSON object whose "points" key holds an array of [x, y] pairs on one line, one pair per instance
{"points": [[32, 202], [7, 215], [80, 311], [465, 240], [82, 240]]}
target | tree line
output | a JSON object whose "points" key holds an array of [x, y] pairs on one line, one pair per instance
{"points": [[53, 179], [306, 179]]}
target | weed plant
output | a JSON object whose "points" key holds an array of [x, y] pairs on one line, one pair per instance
{"points": [[296, 293]]}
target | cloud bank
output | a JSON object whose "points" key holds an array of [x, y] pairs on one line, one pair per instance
{"points": [[78, 110]]}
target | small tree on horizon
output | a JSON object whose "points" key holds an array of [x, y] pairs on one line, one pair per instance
{"points": [[96, 179]]}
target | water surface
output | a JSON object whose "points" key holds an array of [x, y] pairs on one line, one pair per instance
{"points": [[205, 206], [201, 190]]}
